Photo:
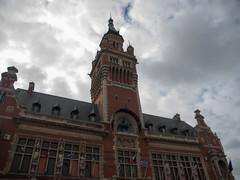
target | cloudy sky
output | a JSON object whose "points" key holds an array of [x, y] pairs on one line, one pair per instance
{"points": [[188, 53]]}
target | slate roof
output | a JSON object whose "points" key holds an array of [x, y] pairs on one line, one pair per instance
{"points": [[66, 105], [85, 109], [169, 124]]}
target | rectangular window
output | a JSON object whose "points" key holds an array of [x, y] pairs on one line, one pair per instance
{"points": [[23, 155], [173, 166], [127, 167], [92, 162], [70, 162], [48, 158]]}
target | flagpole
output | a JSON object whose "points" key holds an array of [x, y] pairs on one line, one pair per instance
{"points": [[132, 171]]}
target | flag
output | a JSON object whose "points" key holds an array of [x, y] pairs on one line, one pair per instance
{"points": [[119, 164], [133, 159], [181, 166], [230, 168], [71, 155], [144, 163], [23, 149], [46, 154], [196, 166]]}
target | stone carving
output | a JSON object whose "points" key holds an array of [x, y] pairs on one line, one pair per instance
{"points": [[82, 160], [123, 142], [59, 159], [123, 125], [35, 158], [167, 171]]}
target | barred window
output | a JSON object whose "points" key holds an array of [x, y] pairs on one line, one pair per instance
{"points": [[92, 162], [23, 155], [127, 166]]}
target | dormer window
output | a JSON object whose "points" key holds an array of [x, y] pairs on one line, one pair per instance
{"points": [[56, 110], [36, 107], [185, 132], [74, 113], [162, 129], [174, 130], [149, 126], [92, 116]]}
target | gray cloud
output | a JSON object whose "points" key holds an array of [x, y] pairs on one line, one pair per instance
{"points": [[188, 53]]}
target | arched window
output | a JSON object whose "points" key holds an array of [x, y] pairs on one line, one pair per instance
{"points": [[123, 125], [113, 73]]}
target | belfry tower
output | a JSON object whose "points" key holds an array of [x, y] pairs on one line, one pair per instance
{"points": [[114, 84]]}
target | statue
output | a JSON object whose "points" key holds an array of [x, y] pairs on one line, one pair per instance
{"points": [[81, 165], [123, 125], [36, 156], [59, 163]]}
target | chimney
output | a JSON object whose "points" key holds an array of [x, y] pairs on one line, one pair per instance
{"points": [[177, 117], [31, 87]]}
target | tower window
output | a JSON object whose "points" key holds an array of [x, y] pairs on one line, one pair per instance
{"points": [[113, 60], [115, 44], [2, 97]]}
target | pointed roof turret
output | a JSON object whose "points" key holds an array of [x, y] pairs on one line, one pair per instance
{"points": [[111, 25]]}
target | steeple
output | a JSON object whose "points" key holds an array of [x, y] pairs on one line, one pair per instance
{"points": [[111, 25]]}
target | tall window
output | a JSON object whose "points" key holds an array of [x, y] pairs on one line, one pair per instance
{"points": [[23, 155], [92, 162], [174, 166], [70, 162], [127, 167], [48, 158], [2, 96]]}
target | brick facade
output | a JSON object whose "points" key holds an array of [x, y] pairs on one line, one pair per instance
{"points": [[109, 138]]}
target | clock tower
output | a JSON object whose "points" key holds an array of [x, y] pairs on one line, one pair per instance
{"points": [[114, 79]]}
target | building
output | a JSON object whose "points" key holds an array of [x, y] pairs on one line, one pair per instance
{"points": [[49, 137]]}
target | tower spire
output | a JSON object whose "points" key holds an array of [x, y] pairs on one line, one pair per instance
{"points": [[110, 24]]}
